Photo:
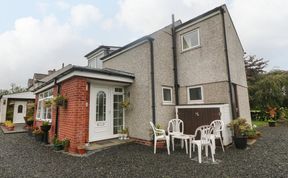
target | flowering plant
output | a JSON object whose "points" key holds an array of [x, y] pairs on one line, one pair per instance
{"points": [[240, 126], [125, 104]]}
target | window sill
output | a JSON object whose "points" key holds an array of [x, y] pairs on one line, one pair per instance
{"points": [[168, 104], [42, 120], [190, 49], [196, 102]]}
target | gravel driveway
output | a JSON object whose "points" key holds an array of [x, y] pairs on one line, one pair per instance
{"points": [[21, 156]]}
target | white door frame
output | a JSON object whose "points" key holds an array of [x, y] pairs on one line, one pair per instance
{"points": [[94, 88], [19, 117]]}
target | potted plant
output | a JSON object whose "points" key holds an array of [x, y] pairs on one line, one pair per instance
{"points": [[81, 149], [29, 114], [240, 127], [38, 133], [45, 126], [125, 133], [9, 125], [272, 113], [30, 121], [57, 144], [60, 101], [66, 144]]}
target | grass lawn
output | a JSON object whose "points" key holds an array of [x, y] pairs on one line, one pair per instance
{"points": [[260, 123]]}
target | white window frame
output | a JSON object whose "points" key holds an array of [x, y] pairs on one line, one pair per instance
{"points": [[192, 47], [167, 102], [195, 101], [118, 93], [42, 99]]}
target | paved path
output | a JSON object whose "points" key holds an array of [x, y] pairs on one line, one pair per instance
{"points": [[21, 156]]}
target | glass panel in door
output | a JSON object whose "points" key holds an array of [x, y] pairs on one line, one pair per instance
{"points": [[118, 113], [101, 106]]}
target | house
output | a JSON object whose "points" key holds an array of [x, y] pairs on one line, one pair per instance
{"points": [[197, 63], [15, 106]]}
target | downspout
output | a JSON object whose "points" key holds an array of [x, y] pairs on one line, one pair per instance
{"points": [[152, 79], [228, 64], [57, 108], [175, 68]]}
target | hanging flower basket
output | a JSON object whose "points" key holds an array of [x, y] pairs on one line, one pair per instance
{"points": [[60, 101], [125, 104]]}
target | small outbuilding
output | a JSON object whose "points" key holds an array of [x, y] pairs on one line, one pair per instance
{"points": [[16, 106]]}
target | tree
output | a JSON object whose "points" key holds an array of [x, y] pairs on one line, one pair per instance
{"points": [[269, 90], [14, 89], [254, 66]]}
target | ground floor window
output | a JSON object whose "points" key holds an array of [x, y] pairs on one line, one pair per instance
{"points": [[44, 111], [195, 94]]}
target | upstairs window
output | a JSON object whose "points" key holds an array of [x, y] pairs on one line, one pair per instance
{"points": [[195, 95], [167, 95], [190, 40]]}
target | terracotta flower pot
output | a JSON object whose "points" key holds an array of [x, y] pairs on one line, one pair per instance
{"points": [[81, 150], [10, 128], [160, 144]]}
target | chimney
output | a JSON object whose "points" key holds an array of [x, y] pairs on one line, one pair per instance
{"points": [[51, 71]]}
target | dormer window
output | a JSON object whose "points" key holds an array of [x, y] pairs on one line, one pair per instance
{"points": [[95, 61]]}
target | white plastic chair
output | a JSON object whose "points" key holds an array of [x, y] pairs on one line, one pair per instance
{"points": [[176, 131], [218, 129], [159, 134], [205, 140]]}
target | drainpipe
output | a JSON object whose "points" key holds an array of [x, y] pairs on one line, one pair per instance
{"points": [[152, 78], [175, 68], [228, 65], [57, 108]]}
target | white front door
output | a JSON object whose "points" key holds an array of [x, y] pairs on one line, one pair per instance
{"points": [[19, 111], [101, 123]]}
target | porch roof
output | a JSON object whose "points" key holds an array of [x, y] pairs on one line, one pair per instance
{"points": [[87, 72], [23, 95]]}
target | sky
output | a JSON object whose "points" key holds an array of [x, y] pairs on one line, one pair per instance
{"points": [[38, 35]]}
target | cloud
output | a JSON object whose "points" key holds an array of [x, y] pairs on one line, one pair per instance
{"points": [[37, 45], [63, 5], [262, 27], [147, 16], [107, 24], [42, 7], [84, 14]]}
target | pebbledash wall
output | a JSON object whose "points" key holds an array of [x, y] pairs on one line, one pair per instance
{"points": [[72, 121]]}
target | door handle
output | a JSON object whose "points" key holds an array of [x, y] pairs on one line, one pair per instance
{"points": [[197, 113]]}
